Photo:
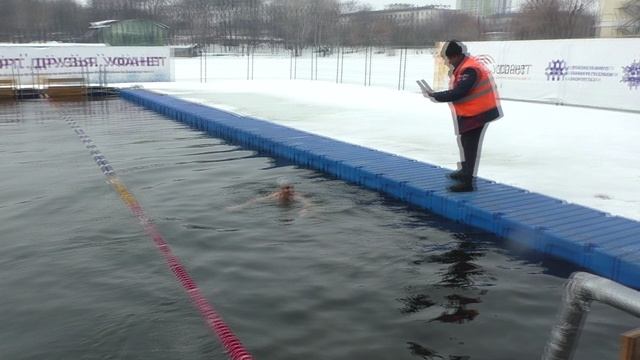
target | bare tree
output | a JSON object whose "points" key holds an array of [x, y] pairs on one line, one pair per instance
{"points": [[298, 24], [632, 27], [352, 6], [301, 23], [37, 20], [382, 31], [555, 19]]}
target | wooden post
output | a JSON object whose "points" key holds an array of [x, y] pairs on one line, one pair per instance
{"points": [[630, 345]]}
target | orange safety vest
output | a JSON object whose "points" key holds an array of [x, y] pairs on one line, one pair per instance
{"points": [[482, 97]]}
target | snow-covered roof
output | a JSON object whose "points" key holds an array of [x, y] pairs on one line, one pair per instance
{"points": [[49, 44], [101, 24], [108, 23]]}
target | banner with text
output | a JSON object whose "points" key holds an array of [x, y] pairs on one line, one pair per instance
{"points": [[588, 72], [96, 64]]}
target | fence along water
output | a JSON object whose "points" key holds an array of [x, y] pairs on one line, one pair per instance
{"points": [[393, 67], [600, 73]]}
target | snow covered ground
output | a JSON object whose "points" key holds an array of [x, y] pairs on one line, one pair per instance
{"points": [[585, 156]]}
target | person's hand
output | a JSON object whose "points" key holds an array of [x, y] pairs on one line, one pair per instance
{"points": [[427, 94]]}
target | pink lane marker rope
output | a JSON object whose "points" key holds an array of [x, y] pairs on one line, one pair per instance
{"points": [[231, 343]]}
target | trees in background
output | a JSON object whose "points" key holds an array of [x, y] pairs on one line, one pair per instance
{"points": [[555, 19], [294, 24], [31, 20]]}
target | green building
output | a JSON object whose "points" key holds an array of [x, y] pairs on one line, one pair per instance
{"points": [[135, 32]]}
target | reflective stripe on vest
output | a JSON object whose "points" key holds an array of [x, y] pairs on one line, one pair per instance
{"points": [[481, 97]]}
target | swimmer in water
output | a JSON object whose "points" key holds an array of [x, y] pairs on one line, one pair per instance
{"points": [[286, 195]]}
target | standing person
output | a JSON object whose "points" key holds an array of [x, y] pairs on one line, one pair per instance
{"points": [[474, 103]]}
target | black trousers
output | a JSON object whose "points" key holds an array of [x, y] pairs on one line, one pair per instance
{"points": [[470, 142]]}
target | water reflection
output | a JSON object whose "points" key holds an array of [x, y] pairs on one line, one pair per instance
{"points": [[11, 112], [462, 279], [430, 354], [461, 271], [460, 313], [423, 351], [416, 303]]}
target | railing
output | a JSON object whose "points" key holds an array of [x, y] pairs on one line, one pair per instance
{"points": [[580, 291], [8, 88], [387, 67], [630, 345], [65, 88]]}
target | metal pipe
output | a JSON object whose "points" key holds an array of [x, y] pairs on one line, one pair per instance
{"points": [[295, 63], [342, 67], [370, 61], [366, 59], [404, 74], [581, 289], [312, 52], [400, 70], [338, 66]]}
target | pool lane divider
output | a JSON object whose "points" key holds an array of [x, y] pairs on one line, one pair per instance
{"points": [[604, 244], [230, 342]]}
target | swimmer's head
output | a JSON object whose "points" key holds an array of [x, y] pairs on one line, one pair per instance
{"points": [[282, 181], [285, 184]]}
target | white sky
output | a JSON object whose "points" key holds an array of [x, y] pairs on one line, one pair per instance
{"points": [[379, 4]]}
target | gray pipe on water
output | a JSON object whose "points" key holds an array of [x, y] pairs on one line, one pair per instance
{"points": [[581, 289]]}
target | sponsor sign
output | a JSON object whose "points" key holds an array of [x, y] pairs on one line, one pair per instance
{"points": [[96, 64], [559, 70], [631, 75], [519, 71], [590, 72]]}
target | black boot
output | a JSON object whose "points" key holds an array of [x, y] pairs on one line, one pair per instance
{"points": [[465, 185], [456, 175], [461, 187]]}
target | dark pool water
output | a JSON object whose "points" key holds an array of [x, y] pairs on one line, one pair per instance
{"points": [[359, 276]]}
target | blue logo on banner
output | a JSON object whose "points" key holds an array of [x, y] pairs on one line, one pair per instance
{"points": [[556, 70], [631, 75]]}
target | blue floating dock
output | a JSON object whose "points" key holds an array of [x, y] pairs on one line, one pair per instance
{"points": [[605, 244]]}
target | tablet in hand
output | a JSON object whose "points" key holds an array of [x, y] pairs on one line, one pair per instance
{"points": [[425, 86]]}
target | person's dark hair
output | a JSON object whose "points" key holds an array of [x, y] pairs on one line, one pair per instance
{"points": [[453, 49]]}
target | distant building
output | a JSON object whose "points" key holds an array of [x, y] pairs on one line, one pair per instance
{"points": [[499, 26], [399, 6], [482, 8], [618, 18], [134, 32], [185, 50], [400, 14]]}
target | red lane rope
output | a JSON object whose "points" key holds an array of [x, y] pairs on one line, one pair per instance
{"points": [[231, 343]]}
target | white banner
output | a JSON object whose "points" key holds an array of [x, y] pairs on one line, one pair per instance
{"points": [[30, 64], [588, 72]]}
